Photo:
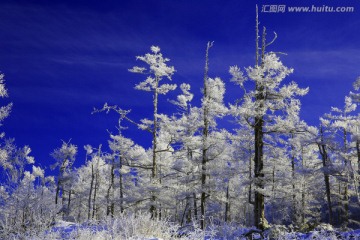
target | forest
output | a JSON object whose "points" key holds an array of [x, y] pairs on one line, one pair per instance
{"points": [[219, 170]]}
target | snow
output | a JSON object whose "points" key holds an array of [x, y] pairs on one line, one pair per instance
{"points": [[69, 230]]}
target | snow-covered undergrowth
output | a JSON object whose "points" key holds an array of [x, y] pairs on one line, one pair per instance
{"points": [[125, 227], [142, 227]]}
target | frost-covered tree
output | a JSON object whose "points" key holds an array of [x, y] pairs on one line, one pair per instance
{"points": [[4, 110], [30, 206], [157, 71], [267, 108], [309, 184], [184, 127], [342, 123], [64, 157], [129, 157], [212, 108], [14, 160], [129, 168], [355, 126], [89, 187], [240, 178]]}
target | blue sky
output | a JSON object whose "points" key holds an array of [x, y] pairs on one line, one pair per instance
{"points": [[62, 58]]}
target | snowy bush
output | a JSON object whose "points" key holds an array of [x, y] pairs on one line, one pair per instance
{"points": [[276, 231], [126, 227]]}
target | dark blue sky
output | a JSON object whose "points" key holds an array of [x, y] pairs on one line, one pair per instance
{"points": [[62, 58]]}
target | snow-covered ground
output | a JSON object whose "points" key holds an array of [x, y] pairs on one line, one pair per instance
{"points": [[166, 231]]}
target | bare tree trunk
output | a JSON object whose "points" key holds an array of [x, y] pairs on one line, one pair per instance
{"points": [[303, 186], [79, 207], [273, 189], [121, 188], [227, 204], [69, 202], [94, 207], [110, 191], [345, 217], [90, 192], [325, 160], [159, 180], [356, 179], [42, 197], [63, 201], [204, 139], [57, 192], [303, 204], [195, 208], [259, 204], [154, 146], [358, 155], [295, 215], [250, 181], [60, 183], [187, 206]]}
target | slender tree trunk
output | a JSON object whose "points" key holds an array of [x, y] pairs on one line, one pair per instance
{"points": [[94, 207], [110, 191], [345, 217], [90, 191], [303, 186], [195, 208], [79, 208], [121, 186], [204, 139], [227, 204], [57, 192], [159, 180], [69, 202], [273, 189], [325, 160], [356, 176], [358, 155], [153, 210], [187, 203], [188, 215], [295, 215], [250, 181], [60, 184], [259, 205], [273, 182], [63, 201], [303, 204], [42, 196]]}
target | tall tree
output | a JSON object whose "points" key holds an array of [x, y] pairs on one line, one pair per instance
{"points": [[340, 122], [267, 108], [323, 146], [205, 134], [65, 157], [212, 107], [158, 70]]}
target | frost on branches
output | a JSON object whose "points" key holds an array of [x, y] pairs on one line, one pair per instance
{"points": [[156, 71], [277, 98], [4, 110]]}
